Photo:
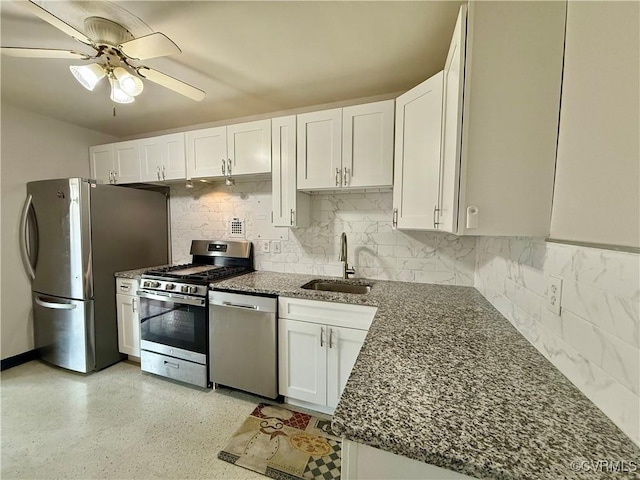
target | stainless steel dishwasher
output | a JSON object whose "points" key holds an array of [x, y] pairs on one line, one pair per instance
{"points": [[243, 342]]}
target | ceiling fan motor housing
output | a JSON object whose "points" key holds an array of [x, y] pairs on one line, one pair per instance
{"points": [[106, 32]]}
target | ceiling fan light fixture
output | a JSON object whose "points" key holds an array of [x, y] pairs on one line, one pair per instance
{"points": [[118, 95], [88, 75], [130, 84]]}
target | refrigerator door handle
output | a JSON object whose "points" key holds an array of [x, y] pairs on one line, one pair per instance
{"points": [[55, 306], [24, 249]]}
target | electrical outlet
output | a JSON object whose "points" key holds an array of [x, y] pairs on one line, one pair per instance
{"points": [[263, 246], [276, 246], [554, 294]]}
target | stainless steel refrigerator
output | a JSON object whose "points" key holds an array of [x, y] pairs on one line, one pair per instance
{"points": [[75, 234]]}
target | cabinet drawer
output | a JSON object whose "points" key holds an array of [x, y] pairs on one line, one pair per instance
{"points": [[126, 286], [327, 313]]}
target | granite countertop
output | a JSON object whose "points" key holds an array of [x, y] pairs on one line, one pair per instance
{"points": [[445, 379], [136, 273]]}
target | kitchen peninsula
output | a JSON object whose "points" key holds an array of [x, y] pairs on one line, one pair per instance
{"points": [[445, 379]]}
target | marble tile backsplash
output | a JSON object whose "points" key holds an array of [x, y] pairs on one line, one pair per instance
{"points": [[374, 248], [595, 341]]}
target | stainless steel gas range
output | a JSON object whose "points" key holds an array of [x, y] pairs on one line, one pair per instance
{"points": [[174, 320]]}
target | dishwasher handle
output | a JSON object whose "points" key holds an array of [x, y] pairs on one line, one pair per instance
{"points": [[238, 305], [253, 303]]}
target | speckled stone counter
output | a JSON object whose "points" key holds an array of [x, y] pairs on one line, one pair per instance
{"points": [[135, 274], [445, 379]]}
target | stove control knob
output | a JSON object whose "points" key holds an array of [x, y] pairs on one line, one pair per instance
{"points": [[184, 289], [154, 284], [146, 284], [169, 286], [193, 289]]}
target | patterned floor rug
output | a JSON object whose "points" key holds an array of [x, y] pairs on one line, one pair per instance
{"points": [[284, 444]]}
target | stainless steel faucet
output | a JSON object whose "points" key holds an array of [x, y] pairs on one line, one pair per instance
{"points": [[346, 271]]}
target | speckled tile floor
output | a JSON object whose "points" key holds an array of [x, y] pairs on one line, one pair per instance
{"points": [[115, 424]]}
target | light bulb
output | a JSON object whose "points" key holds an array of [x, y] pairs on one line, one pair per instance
{"points": [[130, 84], [88, 75], [117, 94]]}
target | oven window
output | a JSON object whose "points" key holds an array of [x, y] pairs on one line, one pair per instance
{"points": [[174, 324]]}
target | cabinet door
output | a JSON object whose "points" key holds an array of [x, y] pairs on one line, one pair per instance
{"points": [[290, 207], [162, 158], [417, 155], [320, 149], [128, 324], [126, 161], [367, 145], [249, 147], [344, 345], [206, 152], [101, 162], [151, 153], [174, 166], [302, 360], [452, 126]]}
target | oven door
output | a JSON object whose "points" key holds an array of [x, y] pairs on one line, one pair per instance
{"points": [[174, 326]]}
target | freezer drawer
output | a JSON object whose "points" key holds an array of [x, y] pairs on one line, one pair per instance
{"points": [[64, 332]]}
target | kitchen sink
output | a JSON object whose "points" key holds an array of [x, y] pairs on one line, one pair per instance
{"points": [[338, 286]]}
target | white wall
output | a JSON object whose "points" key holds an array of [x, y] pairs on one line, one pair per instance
{"points": [[375, 250], [33, 148]]}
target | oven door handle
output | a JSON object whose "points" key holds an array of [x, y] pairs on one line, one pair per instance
{"points": [[200, 302]]}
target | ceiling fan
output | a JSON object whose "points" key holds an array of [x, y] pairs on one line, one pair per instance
{"points": [[117, 53]]}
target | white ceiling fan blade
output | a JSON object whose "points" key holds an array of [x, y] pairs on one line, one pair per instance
{"points": [[150, 46], [171, 83], [42, 53], [38, 11]]}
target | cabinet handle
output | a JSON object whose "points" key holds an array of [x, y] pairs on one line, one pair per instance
{"points": [[394, 218], [224, 173], [322, 336], [115, 177], [111, 178], [171, 364], [292, 216], [134, 309], [158, 172], [229, 166], [345, 177], [435, 216], [337, 177], [330, 337], [163, 175]]}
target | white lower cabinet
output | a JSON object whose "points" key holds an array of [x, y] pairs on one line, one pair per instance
{"points": [[319, 343], [127, 305]]}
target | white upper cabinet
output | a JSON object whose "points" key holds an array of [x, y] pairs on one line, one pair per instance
{"points": [[115, 162], [239, 149], [206, 152], [512, 84], [417, 156], [249, 147], [163, 158], [496, 168], [320, 149], [101, 162], [348, 147], [367, 145], [452, 127], [291, 208]]}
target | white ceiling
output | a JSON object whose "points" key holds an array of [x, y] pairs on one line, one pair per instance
{"points": [[250, 58]]}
